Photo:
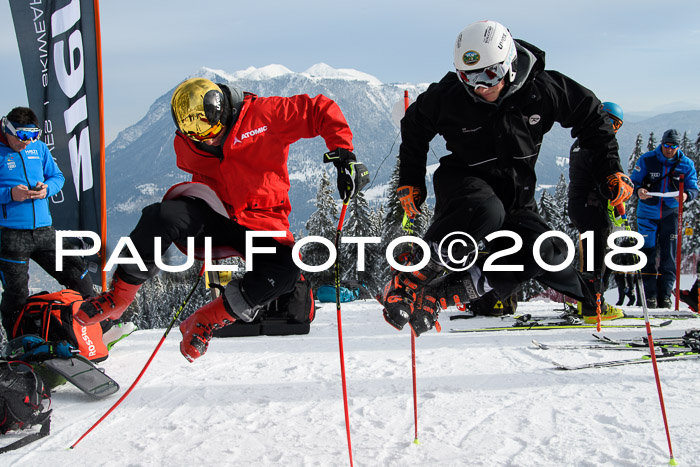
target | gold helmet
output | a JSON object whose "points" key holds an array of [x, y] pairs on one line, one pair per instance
{"points": [[198, 108]]}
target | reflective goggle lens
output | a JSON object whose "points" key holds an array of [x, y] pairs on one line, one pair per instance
{"points": [[487, 77], [670, 146], [205, 135], [28, 134], [25, 134], [616, 123]]}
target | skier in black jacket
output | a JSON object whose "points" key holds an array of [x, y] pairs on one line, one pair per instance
{"points": [[590, 211], [493, 113]]}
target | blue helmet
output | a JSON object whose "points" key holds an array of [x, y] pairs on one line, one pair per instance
{"points": [[615, 112]]}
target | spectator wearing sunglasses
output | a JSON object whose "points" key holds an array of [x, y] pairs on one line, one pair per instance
{"points": [[657, 173], [493, 111], [28, 178]]}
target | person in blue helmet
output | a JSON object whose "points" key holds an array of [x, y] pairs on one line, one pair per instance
{"points": [[589, 210], [657, 173]]}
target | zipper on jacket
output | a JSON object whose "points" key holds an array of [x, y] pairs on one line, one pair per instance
{"points": [[26, 177]]}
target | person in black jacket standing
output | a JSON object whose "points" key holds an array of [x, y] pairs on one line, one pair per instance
{"points": [[493, 112], [590, 211]]}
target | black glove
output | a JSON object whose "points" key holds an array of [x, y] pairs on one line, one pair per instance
{"points": [[352, 176]]}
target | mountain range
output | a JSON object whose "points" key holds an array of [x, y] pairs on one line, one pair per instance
{"points": [[141, 160]]}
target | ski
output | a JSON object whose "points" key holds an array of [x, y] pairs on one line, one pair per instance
{"points": [[566, 314], [669, 356], [83, 374], [637, 345], [605, 346], [537, 326], [691, 335]]}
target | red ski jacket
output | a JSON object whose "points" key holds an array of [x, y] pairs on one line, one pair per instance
{"points": [[252, 178]]}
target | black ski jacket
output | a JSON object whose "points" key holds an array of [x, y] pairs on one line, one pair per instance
{"points": [[581, 176], [499, 142]]}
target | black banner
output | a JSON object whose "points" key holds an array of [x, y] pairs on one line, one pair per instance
{"points": [[59, 50]]}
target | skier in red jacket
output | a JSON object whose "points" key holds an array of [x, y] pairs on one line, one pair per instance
{"points": [[235, 144]]}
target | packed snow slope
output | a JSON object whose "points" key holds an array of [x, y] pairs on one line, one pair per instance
{"points": [[483, 399]]}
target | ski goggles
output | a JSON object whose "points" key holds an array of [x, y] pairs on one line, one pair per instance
{"points": [[24, 134], [616, 123], [486, 77], [205, 135], [670, 146]]}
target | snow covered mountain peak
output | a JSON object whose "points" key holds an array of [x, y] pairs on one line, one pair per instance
{"points": [[324, 71], [318, 71]]}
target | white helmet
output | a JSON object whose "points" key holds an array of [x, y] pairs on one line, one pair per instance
{"points": [[485, 54]]}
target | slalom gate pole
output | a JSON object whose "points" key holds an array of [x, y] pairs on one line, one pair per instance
{"points": [[650, 340], [409, 230], [652, 352], [679, 242], [415, 392], [407, 226], [138, 378], [340, 325]]}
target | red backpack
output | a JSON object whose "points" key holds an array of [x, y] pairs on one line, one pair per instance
{"points": [[50, 315]]}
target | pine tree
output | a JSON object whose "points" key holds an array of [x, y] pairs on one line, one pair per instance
{"points": [[691, 214], [686, 145], [631, 205], [161, 296], [392, 224], [360, 224], [651, 142], [636, 153], [548, 208], [377, 262], [322, 223], [561, 199]]}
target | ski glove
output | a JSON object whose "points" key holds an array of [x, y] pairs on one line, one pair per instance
{"points": [[353, 176], [619, 188], [411, 197]]}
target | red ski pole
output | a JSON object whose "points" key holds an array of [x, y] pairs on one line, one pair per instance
{"points": [[652, 352], [411, 221], [340, 325], [679, 242], [138, 378]]}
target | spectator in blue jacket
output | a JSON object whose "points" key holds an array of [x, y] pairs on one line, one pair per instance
{"points": [[658, 172], [28, 177]]}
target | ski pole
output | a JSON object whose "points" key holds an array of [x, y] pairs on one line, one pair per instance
{"points": [[407, 226], [679, 242], [652, 352], [340, 326], [650, 341], [138, 378]]}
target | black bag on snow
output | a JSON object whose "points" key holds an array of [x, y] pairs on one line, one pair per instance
{"points": [[24, 402], [289, 314]]}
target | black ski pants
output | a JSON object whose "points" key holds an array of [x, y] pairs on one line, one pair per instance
{"points": [[177, 219], [17, 248], [591, 214], [659, 237], [470, 205]]}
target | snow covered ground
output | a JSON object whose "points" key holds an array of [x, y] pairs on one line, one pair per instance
{"points": [[483, 399]]}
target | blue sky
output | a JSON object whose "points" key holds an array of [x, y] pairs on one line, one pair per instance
{"points": [[644, 55]]}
